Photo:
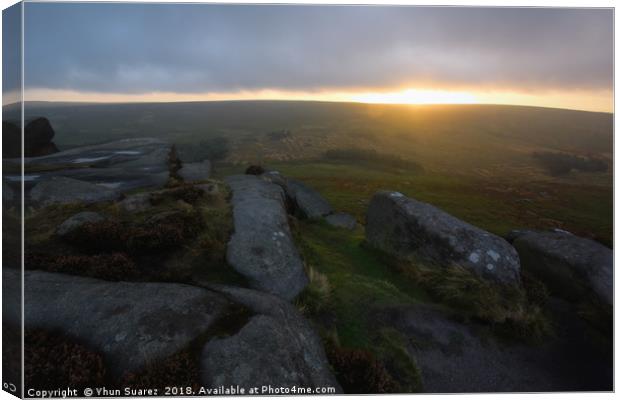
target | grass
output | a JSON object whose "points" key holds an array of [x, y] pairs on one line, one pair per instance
{"points": [[350, 282], [361, 279], [358, 276], [512, 312], [493, 203], [392, 346], [317, 295]]}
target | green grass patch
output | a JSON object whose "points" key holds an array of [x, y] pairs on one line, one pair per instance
{"points": [[357, 276]]}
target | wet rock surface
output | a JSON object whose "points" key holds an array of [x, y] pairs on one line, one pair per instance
{"points": [[122, 165], [131, 324], [61, 190], [410, 229], [261, 247], [563, 260]]}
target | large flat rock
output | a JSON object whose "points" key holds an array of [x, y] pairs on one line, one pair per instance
{"points": [[457, 358], [562, 260], [277, 347], [122, 165], [261, 247], [61, 190], [131, 324], [413, 230]]}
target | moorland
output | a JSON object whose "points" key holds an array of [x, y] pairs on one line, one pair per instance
{"points": [[386, 325]]}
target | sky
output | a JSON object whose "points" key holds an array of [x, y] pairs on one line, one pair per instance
{"points": [[163, 52]]}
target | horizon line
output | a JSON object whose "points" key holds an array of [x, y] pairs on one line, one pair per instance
{"points": [[300, 101]]}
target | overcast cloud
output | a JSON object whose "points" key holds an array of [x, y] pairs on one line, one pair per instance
{"points": [[137, 48]]}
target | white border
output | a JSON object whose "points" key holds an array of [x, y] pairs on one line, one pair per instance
{"points": [[477, 3]]}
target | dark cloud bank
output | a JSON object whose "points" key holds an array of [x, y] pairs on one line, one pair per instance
{"points": [[136, 48]]}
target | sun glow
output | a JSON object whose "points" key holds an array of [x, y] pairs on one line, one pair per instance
{"points": [[413, 96], [591, 100]]}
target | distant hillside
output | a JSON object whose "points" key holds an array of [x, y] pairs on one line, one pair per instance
{"points": [[463, 136]]}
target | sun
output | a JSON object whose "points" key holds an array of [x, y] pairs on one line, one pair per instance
{"points": [[415, 96]]}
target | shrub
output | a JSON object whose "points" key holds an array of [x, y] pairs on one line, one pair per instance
{"points": [[52, 361], [154, 237], [188, 193], [358, 371], [527, 323], [316, 295], [107, 235], [254, 170], [461, 289], [562, 163], [535, 290], [506, 308], [112, 267], [158, 233]]}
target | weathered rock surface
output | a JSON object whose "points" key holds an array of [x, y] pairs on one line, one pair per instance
{"points": [[122, 165], [410, 229], [77, 220], [308, 201], [38, 135], [275, 177], [514, 234], [192, 172], [342, 220], [277, 347], [131, 324], [456, 358], [562, 260], [261, 247], [61, 190]]}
